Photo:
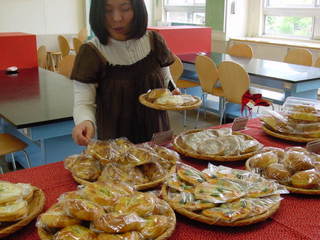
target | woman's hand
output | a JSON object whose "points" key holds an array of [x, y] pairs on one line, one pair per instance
{"points": [[83, 133], [176, 91]]}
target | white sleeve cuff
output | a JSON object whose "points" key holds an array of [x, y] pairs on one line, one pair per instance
{"points": [[167, 77]]}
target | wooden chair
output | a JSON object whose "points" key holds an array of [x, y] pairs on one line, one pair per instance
{"points": [[63, 45], [66, 65], [176, 70], [83, 35], [235, 82], [240, 50], [76, 44], [299, 56], [208, 75], [9, 144], [317, 63], [42, 57]]}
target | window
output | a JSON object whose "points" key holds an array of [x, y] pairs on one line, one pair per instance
{"points": [[185, 11], [292, 18]]}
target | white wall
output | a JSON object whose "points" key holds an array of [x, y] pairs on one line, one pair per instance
{"points": [[42, 16]]}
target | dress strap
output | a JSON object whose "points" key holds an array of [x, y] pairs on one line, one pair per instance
{"points": [[104, 60], [151, 39]]}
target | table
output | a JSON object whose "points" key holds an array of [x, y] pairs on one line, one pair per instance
{"points": [[297, 218], [295, 80], [39, 103]]}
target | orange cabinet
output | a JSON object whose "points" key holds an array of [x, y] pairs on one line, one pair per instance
{"points": [[186, 39], [18, 49]]}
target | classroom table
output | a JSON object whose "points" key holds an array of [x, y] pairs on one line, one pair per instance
{"points": [[294, 80], [296, 219], [36, 105]]}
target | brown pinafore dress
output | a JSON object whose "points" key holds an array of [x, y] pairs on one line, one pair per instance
{"points": [[119, 112]]}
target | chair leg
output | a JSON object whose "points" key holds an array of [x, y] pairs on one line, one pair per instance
{"points": [[13, 162], [222, 112], [27, 157], [1, 170], [197, 119], [198, 112], [184, 91], [205, 105]]}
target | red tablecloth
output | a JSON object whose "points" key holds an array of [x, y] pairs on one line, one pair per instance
{"points": [[297, 218]]}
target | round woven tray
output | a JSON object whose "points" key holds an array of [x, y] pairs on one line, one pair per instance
{"points": [[36, 204], [292, 189], [177, 146], [46, 236], [144, 101], [139, 187], [286, 137], [204, 219]]}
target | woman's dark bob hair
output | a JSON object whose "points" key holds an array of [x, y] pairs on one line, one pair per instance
{"points": [[98, 20]]}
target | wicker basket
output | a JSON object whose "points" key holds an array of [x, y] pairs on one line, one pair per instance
{"points": [[36, 204], [292, 138], [292, 189], [46, 236], [144, 101], [139, 187], [205, 219], [179, 148]]}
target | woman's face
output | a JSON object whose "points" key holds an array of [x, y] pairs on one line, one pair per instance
{"points": [[119, 14]]}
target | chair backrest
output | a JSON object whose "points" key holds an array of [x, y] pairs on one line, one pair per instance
{"points": [[66, 65], [207, 72], [299, 56], [63, 45], [83, 35], [234, 80], [317, 64], [240, 50], [76, 44], [42, 57], [176, 69]]}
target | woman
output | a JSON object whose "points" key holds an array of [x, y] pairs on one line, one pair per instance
{"points": [[112, 70]]}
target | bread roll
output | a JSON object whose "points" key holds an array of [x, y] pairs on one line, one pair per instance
{"points": [[157, 93], [118, 223], [306, 179], [75, 232], [13, 211], [55, 217], [278, 172], [263, 160], [298, 161]]}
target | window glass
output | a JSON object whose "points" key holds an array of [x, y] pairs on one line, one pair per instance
{"points": [[179, 2], [199, 18], [290, 26], [185, 11], [181, 17], [290, 3]]}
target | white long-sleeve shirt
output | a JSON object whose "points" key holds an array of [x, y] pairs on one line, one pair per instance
{"points": [[116, 53]]}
